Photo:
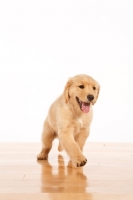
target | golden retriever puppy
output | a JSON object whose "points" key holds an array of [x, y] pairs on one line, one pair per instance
{"points": [[69, 119]]}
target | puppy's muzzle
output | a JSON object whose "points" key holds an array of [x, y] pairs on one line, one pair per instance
{"points": [[90, 97]]}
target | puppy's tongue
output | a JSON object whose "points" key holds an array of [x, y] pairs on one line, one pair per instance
{"points": [[85, 107]]}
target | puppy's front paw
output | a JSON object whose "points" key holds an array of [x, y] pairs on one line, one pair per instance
{"points": [[81, 161], [42, 156]]}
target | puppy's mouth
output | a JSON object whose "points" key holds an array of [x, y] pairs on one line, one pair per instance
{"points": [[85, 107]]}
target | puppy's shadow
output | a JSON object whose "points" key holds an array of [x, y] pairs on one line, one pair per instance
{"points": [[60, 178]]}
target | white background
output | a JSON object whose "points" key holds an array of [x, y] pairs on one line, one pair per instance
{"points": [[43, 43]]}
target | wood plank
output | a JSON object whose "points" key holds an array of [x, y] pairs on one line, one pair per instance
{"points": [[61, 196], [67, 189], [57, 182]]}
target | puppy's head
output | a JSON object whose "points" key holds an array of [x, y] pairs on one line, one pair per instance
{"points": [[82, 91]]}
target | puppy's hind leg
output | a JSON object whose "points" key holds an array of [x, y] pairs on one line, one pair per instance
{"points": [[48, 136], [60, 147]]}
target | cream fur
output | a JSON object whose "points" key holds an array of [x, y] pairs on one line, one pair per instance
{"points": [[68, 122]]}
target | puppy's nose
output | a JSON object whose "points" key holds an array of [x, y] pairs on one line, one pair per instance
{"points": [[90, 97]]}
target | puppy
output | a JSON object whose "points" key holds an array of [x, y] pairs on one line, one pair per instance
{"points": [[69, 119]]}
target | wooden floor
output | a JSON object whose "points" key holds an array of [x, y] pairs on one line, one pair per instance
{"points": [[108, 174]]}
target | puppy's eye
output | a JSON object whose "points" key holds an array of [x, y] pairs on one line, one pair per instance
{"points": [[94, 88], [81, 86]]}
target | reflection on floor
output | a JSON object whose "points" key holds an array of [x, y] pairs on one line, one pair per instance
{"points": [[107, 175]]}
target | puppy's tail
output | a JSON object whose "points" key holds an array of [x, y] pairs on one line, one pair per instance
{"points": [[60, 148]]}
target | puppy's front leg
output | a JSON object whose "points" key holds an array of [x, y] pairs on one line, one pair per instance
{"points": [[72, 148], [82, 136]]}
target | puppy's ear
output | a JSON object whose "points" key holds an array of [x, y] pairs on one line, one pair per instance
{"points": [[98, 90], [66, 90]]}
